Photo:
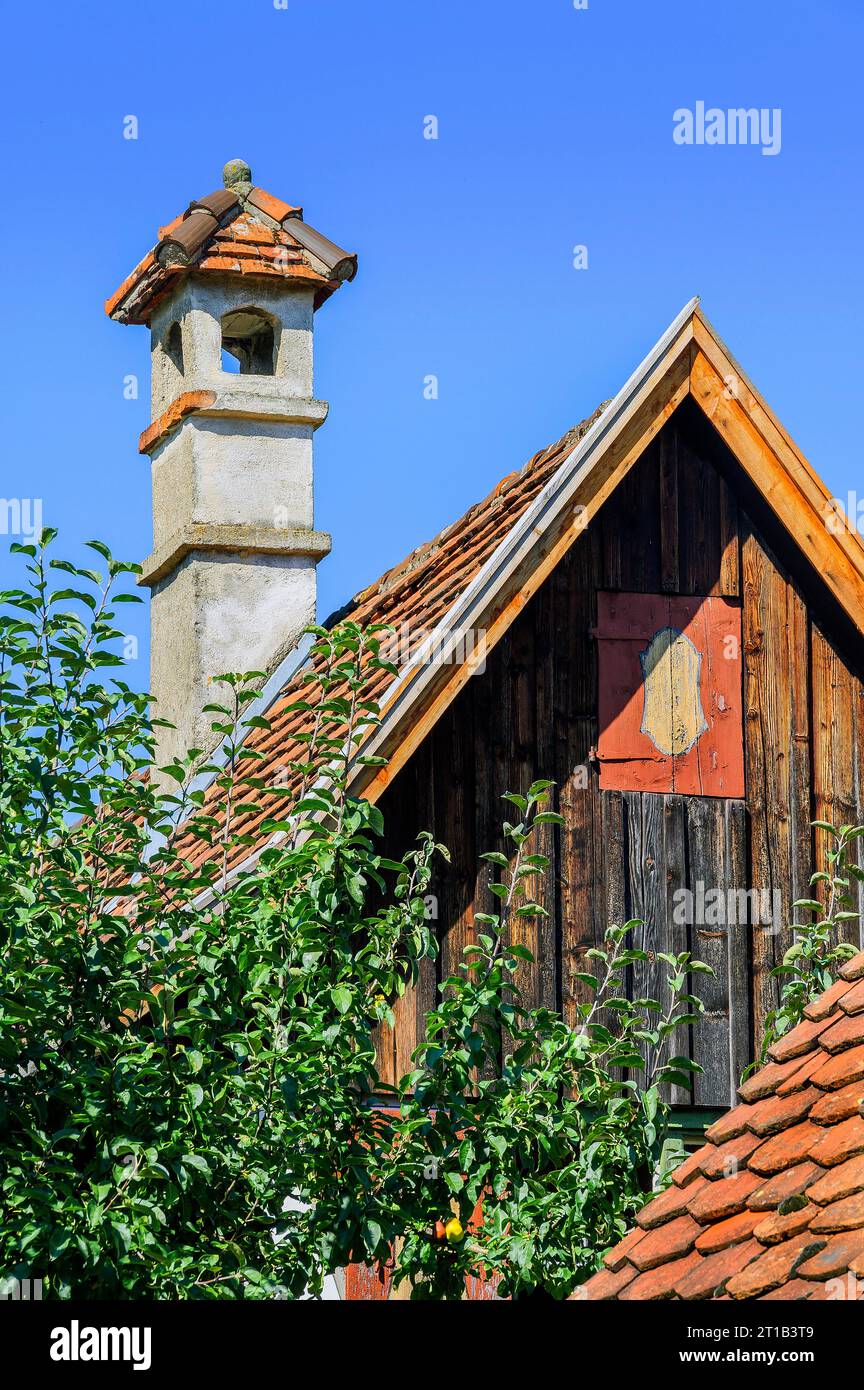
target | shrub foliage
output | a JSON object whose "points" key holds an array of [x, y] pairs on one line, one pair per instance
{"points": [[189, 1100]]}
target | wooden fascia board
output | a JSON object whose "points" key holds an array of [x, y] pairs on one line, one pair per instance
{"points": [[528, 554], [708, 340], [796, 495]]}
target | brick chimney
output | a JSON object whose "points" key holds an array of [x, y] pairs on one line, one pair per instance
{"points": [[229, 293]]}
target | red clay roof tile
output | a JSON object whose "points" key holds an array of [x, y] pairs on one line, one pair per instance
{"points": [[788, 1184], [852, 1002], [785, 1149], [845, 1215], [708, 1278], [827, 1290], [824, 1005], [854, 968], [218, 203], [781, 1224], [776, 1113], [791, 1292], [840, 1070], [691, 1168], [776, 1266], [839, 1142], [667, 1242], [846, 1032], [273, 207], [727, 1159], [660, 1283], [839, 1105], [724, 1197], [729, 1126], [190, 235], [608, 1284], [800, 1079], [184, 405], [619, 1253], [800, 1040], [835, 1257], [673, 1202], [765, 1081], [729, 1232], [839, 1182]]}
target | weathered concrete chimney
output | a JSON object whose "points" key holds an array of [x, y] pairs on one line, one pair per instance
{"points": [[229, 292]]}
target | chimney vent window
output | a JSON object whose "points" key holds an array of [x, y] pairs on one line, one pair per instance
{"points": [[249, 343], [174, 346]]}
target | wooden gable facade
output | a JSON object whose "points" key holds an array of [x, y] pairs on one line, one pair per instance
{"points": [[686, 520], [679, 536]]}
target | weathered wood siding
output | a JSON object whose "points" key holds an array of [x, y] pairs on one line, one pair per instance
{"points": [[684, 521]]}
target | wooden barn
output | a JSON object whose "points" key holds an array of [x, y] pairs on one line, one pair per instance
{"points": [[663, 612]]}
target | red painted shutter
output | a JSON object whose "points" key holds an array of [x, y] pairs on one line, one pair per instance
{"points": [[671, 695]]}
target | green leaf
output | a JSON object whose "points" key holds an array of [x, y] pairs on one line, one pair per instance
{"points": [[342, 998]]}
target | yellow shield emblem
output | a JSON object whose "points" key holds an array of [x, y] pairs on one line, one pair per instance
{"points": [[672, 716]]}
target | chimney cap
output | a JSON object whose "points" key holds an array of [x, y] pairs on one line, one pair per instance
{"points": [[238, 230], [236, 172]]}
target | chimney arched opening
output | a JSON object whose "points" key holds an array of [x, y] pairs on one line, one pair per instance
{"points": [[249, 342], [173, 345]]}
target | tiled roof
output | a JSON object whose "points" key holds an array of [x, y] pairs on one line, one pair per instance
{"points": [[240, 230], [413, 598], [772, 1206]]}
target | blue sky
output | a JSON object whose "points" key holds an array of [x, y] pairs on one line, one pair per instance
{"points": [[555, 130]]}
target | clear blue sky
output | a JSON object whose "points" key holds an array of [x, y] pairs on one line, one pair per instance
{"points": [[555, 129]]}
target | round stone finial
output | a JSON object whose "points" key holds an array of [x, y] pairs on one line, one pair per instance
{"points": [[236, 171]]}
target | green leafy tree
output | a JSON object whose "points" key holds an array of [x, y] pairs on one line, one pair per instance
{"points": [[186, 1061], [189, 1099]]}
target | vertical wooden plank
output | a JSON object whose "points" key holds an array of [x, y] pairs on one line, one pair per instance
{"points": [[490, 693], [487, 821], [834, 757], [667, 446], [677, 926], [708, 858], [613, 858], [580, 879], [547, 841], [398, 810], [647, 868], [699, 509], [631, 528], [410, 1011], [729, 577], [525, 931], [772, 623], [738, 950], [453, 741], [581, 913], [801, 806], [507, 747]]}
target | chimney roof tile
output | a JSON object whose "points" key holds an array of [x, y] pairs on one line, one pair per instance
{"points": [[236, 230]]}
